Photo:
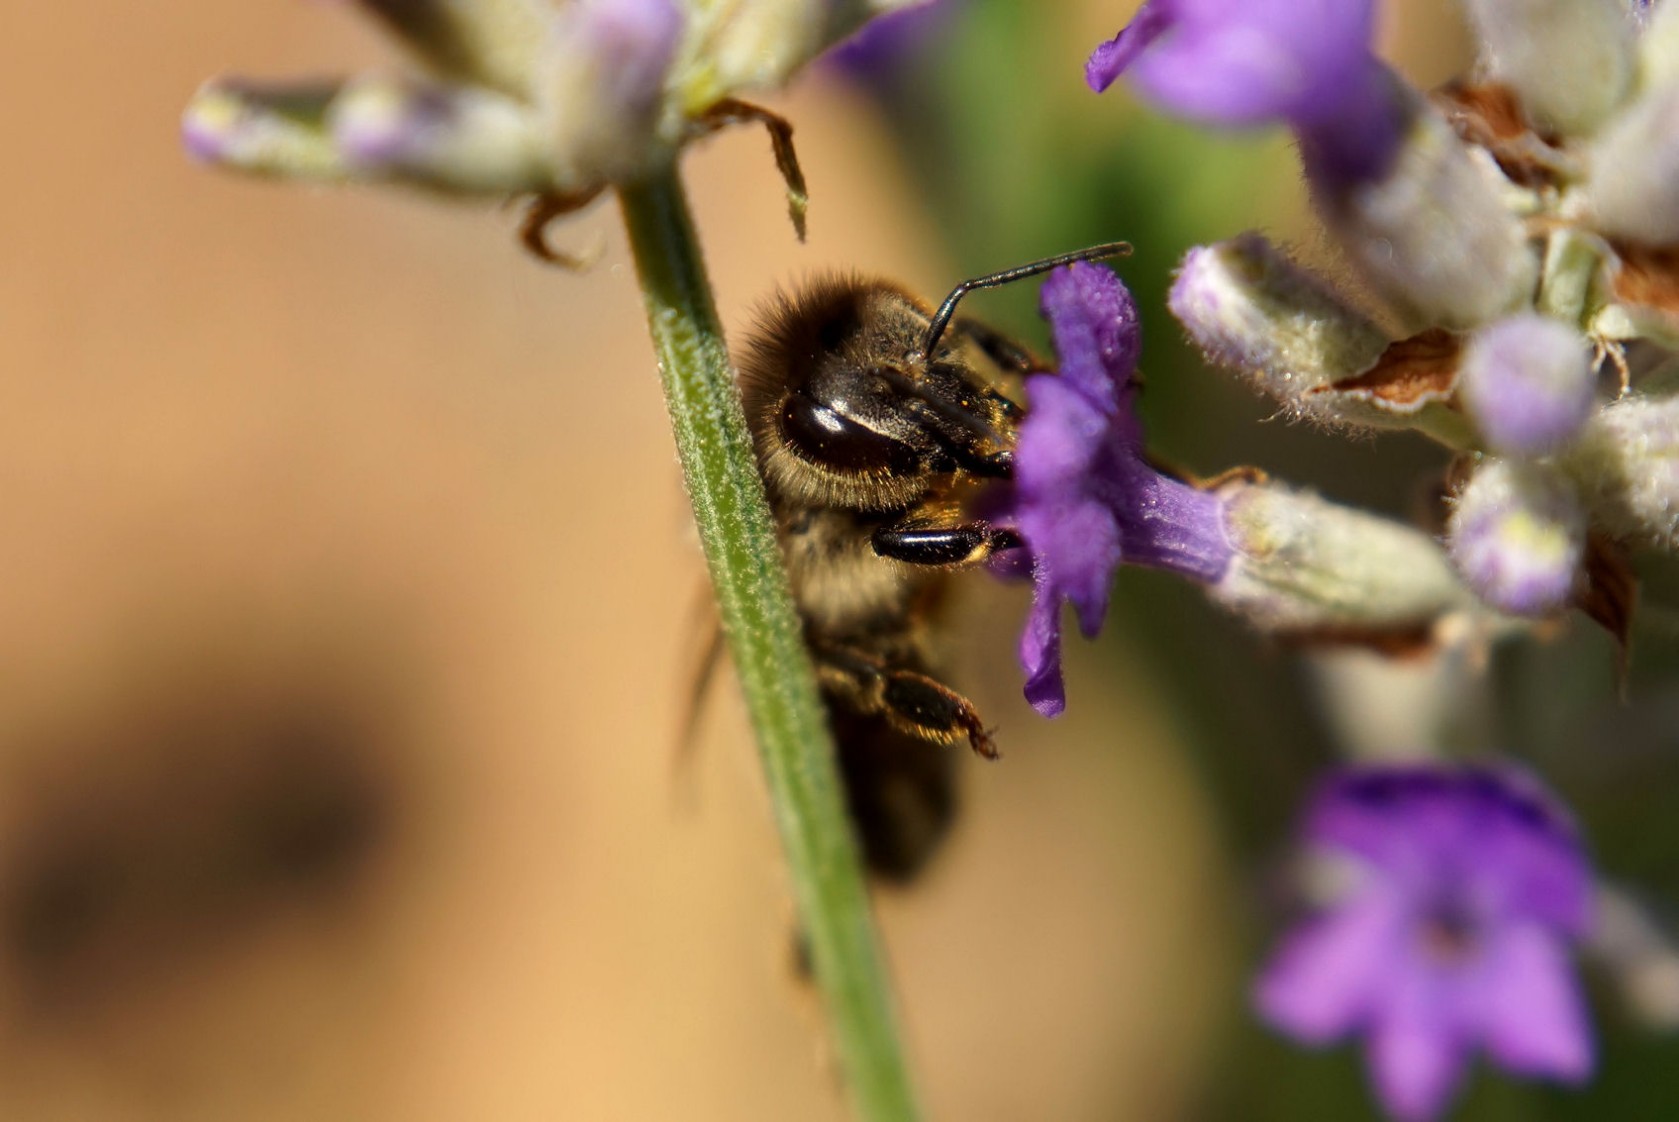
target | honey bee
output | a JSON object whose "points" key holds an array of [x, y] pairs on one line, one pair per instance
{"points": [[876, 421]]}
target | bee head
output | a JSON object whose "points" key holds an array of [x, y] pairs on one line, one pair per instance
{"points": [[847, 411]]}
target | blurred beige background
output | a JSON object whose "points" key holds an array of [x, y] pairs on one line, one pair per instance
{"points": [[347, 598]]}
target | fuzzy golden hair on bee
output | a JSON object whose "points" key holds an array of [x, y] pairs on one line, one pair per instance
{"points": [[878, 422], [847, 411], [868, 451], [844, 324]]}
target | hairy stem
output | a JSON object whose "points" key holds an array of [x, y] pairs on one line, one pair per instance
{"points": [[766, 643]]}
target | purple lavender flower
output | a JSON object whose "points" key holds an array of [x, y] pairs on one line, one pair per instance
{"points": [[1084, 498], [886, 44], [1470, 885], [1250, 62]]}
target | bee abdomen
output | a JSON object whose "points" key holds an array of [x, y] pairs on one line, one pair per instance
{"points": [[901, 791]]}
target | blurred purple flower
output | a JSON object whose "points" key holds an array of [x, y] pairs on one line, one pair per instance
{"points": [[1471, 885], [887, 43], [1084, 497], [1251, 62]]}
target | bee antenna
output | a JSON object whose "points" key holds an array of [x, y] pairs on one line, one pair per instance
{"points": [[941, 318]]}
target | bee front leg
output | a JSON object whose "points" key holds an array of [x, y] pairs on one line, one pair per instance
{"points": [[965, 544], [1011, 356], [911, 702]]}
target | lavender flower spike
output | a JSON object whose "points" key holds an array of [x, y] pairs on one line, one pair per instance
{"points": [[525, 97], [1084, 498], [1250, 62], [1452, 936]]}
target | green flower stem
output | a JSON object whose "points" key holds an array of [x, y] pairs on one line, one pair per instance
{"points": [[767, 644]]}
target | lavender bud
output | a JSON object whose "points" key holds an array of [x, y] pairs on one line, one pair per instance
{"points": [[1251, 309], [766, 41], [1658, 47], [603, 80], [481, 42], [1627, 466], [1518, 535], [451, 138], [760, 43], [1633, 189], [1303, 564], [1433, 233], [1569, 61], [1528, 382], [264, 130]]}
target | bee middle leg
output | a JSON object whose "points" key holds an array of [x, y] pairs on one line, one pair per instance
{"points": [[911, 702], [962, 544]]}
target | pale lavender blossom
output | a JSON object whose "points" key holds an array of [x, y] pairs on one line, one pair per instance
{"points": [[1517, 534], [1465, 889], [1528, 381]]}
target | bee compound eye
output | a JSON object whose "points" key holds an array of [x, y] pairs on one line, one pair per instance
{"points": [[821, 435]]}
